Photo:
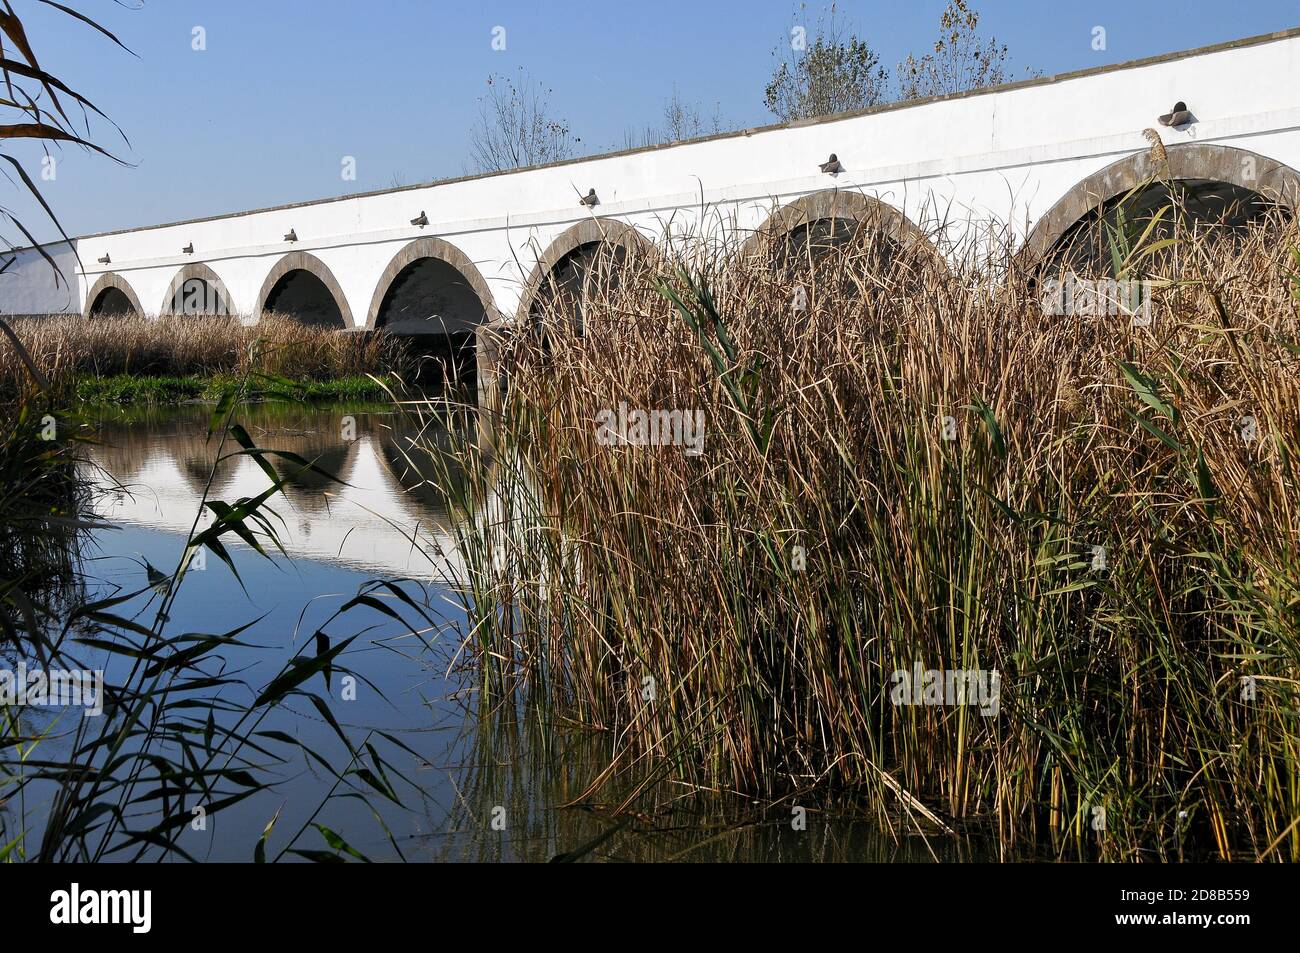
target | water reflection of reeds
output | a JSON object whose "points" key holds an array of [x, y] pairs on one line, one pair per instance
{"points": [[563, 796]]}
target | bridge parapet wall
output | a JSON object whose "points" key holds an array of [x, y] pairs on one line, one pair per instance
{"points": [[1011, 154]]}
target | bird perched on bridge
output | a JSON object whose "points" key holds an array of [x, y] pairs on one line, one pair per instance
{"points": [[832, 165], [1178, 116], [421, 219], [589, 199]]}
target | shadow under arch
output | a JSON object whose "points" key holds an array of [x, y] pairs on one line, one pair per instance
{"points": [[216, 299], [192, 456], [304, 287], [1189, 162], [432, 291], [831, 205], [107, 295], [421, 483], [457, 266], [566, 247]]}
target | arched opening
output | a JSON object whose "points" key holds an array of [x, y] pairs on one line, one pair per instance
{"points": [[111, 296], [587, 258], [196, 290], [1190, 191], [304, 297], [112, 302], [1186, 208], [430, 297], [433, 294], [839, 246], [813, 245], [587, 270], [197, 296], [590, 257], [301, 287]]}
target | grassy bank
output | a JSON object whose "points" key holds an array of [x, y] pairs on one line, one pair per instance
{"points": [[910, 467], [128, 359], [157, 390]]}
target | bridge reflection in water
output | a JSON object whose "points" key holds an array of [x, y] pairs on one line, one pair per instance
{"points": [[385, 517]]}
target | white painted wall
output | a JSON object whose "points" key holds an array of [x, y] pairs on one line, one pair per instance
{"points": [[30, 286], [1007, 155]]}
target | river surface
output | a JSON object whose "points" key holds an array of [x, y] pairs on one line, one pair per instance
{"points": [[472, 786]]}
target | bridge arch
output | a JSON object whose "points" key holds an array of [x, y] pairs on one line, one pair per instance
{"points": [[108, 295], [303, 286], [426, 273], [572, 248], [1241, 170], [833, 205], [197, 289]]}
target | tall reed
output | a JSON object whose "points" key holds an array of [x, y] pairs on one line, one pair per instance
{"points": [[909, 463]]}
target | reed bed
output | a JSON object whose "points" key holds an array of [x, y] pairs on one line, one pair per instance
{"points": [[911, 465], [67, 347]]}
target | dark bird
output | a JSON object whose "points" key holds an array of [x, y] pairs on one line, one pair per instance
{"points": [[421, 219], [104, 260], [188, 249], [292, 236], [589, 199], [832, 165], [1178, 116]]}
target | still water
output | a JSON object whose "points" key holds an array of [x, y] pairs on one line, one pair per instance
{"points": [[473, 784]]}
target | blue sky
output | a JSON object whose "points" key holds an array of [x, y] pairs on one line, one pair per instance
{"points": [[286, 88]]}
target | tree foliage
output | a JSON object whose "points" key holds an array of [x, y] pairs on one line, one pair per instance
{"points": [[835, 70], [827, 73]]}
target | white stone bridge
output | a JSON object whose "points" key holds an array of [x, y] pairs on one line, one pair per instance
{"points": [[1036, 155]]}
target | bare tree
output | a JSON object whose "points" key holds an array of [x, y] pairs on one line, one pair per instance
{"points": [[516, 127], [961, 60], [824, 74], [649, 136], [681, 120]]}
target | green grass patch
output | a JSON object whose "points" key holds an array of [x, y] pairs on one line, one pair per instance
{"points": [[130, 389], [162, 389]]}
